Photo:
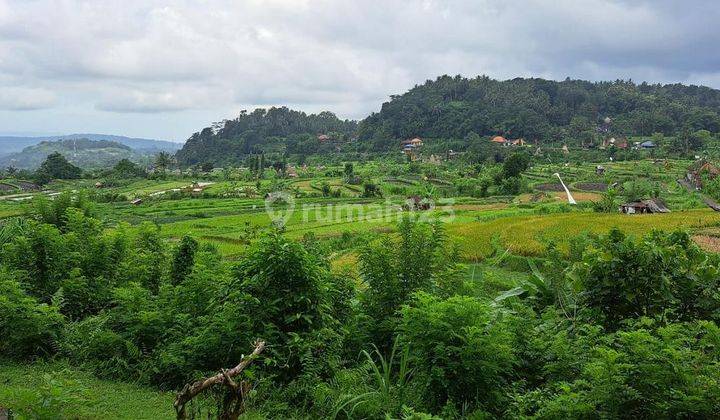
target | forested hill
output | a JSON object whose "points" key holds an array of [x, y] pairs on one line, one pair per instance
{"points": [[260, 130], [454, 107], [571, 111], [84, 153]]}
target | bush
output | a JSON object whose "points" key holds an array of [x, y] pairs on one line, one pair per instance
{"points": [[420, 260], [463, 350], [643, 371], [660, 275], [28, 328]]}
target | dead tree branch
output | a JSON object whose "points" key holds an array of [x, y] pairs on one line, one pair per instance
{"points": [[191, 390]]}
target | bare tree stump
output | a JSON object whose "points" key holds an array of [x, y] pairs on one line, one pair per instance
{"points": [[238, 391]]}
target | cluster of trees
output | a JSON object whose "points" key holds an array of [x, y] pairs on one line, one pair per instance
{"points": [[262, 131], [56, 166], [571, 111], [625, 328]]}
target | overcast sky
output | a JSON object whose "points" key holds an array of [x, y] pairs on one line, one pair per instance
{"points": [[164, 69]]}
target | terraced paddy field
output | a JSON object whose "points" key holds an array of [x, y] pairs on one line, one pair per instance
{"points": [[525, 229], [525, 223]]}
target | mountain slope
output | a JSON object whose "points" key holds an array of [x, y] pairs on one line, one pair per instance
{"points": [[132, 142]]}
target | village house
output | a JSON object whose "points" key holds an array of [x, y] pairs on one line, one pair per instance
{"points": [[506, 142], [409, 147], [648, 144], [414, 142]]}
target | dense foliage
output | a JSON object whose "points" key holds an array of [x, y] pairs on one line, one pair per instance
{"points": [[542, 110], [263, 131], [461, 114], [56, 166]]}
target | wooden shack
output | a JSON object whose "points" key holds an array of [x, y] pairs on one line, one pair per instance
{"points": [[644, 207]]}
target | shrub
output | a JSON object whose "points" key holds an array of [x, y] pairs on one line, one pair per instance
{"points": [[28, 328], [660, 275], [393, 269], [463, 350], [642, 371]]}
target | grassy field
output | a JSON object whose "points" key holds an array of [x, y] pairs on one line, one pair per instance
{"points": [[55, 391]]}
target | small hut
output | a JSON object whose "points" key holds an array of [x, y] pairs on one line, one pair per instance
{"points": [[654, 205], [136, 202], [415, 203], [600, 170]]}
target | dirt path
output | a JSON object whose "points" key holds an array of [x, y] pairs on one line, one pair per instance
{"points": [[707, 200]]}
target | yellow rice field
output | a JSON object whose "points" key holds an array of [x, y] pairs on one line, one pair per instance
{"points": [[527, 235]]}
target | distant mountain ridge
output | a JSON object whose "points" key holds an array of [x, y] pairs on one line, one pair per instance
{"points": [[81, 152], [14, 144]]}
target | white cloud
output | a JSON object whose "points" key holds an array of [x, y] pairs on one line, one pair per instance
{"points": [[25, 99], [194, 58]]}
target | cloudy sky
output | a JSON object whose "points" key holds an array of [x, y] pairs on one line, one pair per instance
{"points": [[164, 69]]}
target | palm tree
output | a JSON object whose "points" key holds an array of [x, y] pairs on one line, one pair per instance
{"points": [[163, 160]]}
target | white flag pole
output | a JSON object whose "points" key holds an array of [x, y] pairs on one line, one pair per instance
{"points": [[571, 200]]}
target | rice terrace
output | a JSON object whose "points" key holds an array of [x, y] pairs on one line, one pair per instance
{"points": [[442, 247]]}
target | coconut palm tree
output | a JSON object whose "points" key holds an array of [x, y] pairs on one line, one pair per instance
{"points": [[163, 160]]}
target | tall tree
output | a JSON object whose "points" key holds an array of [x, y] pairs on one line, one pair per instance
{"points": [[56, 166], [163, 160]]}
